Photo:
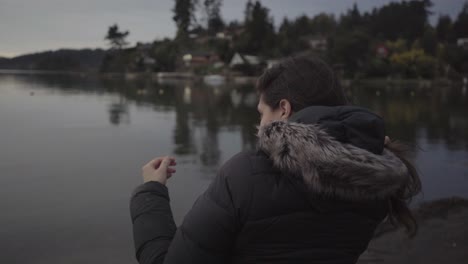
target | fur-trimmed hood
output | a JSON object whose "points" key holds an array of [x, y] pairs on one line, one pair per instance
{"points": [[345, 165]]}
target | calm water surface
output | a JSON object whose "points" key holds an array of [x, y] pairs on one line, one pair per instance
{"points": [[71, 149]]}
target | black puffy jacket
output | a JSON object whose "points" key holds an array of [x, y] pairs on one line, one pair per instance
{"points": [[313, 192]]}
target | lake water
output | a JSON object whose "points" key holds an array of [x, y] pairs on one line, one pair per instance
{"points": [[71, 149]]}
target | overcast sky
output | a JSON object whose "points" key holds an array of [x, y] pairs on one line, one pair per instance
{"points": [[35, 25]]}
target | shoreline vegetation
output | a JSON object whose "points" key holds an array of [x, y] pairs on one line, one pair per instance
{"points": [[358, 45], [161, 77]]}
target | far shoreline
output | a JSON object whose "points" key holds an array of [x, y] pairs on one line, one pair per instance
{"points": [[229, 78]]}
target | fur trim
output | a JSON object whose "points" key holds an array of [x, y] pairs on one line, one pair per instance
{"points": [[328, 166]]}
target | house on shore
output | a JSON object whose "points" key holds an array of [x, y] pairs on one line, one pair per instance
{"points": [[195, 59], [243, 59], [246, 65], [463, 43], [316, 43]]}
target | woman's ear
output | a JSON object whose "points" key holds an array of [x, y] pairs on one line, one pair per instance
{"points": [[285, 108]]}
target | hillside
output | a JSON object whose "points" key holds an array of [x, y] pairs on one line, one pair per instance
{"points": [[59, 60]]}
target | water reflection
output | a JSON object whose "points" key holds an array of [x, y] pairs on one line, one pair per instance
{"points": [[421, 115], [199, 109], [118, 112], [201, 113], [436, 113], [414, 113], [410, 111], [85, 137]]}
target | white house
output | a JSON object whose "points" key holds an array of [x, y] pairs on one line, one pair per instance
{"points": [[317, 43], [462, 42], [240, 59]]}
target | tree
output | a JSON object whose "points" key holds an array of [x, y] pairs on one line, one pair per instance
{"points": [[165, 52], [398, 46], [323, 24], [259, 34], [248, 11], [286, 42], [351, 20], [184, 17], [116, 37], [414, 63], [429, 41], [406, 19], [444, 29], [461, 24], [213, 13], [351, 49], [293, 35]]}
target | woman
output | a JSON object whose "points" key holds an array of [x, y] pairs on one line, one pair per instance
{"points": [[314, 190]]}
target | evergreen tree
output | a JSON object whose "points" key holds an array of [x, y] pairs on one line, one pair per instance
{"points": [[461, 24], [184, 17], [259, 34], [116, 37], [444, 29], [213, 13], [406, 19]]}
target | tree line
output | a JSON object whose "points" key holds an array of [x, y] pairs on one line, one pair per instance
{"points": [[393, 40]]}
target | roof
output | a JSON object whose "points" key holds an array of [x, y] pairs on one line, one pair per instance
{"points": [[239, 59]]}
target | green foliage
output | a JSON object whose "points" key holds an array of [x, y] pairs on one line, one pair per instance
{"points": [[118, 61], [413, 47], [213, 12], [166, 53], [293, 34], [429, 41], [414, 63], [60, 60], [223, 48], [457, 58], [323, 24], [405, 19], [399, 45], [287, 39], [461, 24], [377, 67], [444, 29], [184, 15], [352, 49], [259, 34], [351, 19]]}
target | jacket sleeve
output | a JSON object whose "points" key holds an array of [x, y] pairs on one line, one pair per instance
{"points": [[207, 234], [153, 223]]}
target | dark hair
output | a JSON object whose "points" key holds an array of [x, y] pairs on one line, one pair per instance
{"points": [[399, 212], [307, 81], [303, 81]]}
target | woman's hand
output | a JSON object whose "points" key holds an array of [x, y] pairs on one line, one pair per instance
{"points": [[158, 169], [387, 141]]}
